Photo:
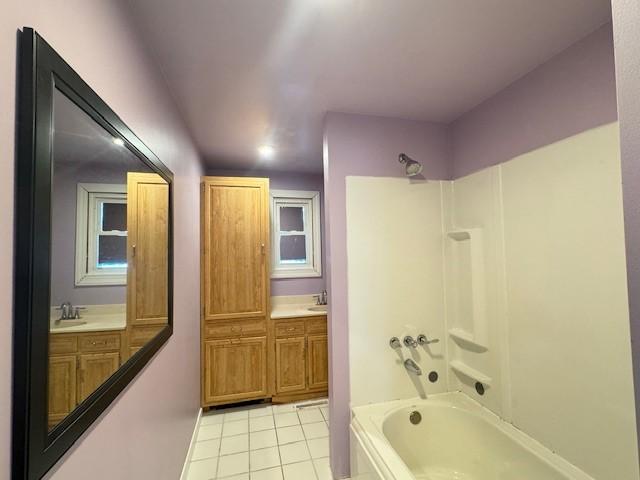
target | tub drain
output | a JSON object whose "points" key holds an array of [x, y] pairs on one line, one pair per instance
{"points": [[415, 417]]}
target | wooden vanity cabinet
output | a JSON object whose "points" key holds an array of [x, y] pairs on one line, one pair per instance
{"points": [[301, 358], [236, 345], [78, 364]]}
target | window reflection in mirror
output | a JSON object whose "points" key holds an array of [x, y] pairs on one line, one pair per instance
{"points": [[109, 257]]}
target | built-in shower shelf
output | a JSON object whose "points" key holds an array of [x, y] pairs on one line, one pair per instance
{"points": [[465, 336], [460, 234], [472, 373]]}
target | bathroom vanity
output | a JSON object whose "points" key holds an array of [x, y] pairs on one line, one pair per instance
{"points": [[78, 364], [301, 369]]}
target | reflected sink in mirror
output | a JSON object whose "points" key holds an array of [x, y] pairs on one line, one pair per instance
{"points": [[318, 308], [61, 324]]}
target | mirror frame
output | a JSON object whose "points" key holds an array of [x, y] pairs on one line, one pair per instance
{"points": [[35, 449]]}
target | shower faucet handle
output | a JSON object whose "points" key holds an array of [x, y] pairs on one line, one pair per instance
{"points": [[409, 342], [423, 340]]}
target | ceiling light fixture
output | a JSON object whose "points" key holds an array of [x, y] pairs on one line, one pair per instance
{"points": [[119, 142], [266, 151]]}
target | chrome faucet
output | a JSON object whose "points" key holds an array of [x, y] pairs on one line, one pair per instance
{"points": [[409, 342], [423, 340], [412, 366], [321, 299], [69, 312]]}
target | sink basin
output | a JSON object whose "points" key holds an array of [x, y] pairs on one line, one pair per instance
{"points": [[68, 324], [317, 308]]}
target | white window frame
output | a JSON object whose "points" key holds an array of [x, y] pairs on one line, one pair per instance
{"points": [[89, 198], [310, 202]]}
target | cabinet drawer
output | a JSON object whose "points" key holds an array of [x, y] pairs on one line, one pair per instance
{"points": [[289, 329], [139, 336], [317, 325], [59, 344], [235, 328], [100, 343]]}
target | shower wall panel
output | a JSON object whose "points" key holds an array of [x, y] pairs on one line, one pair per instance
{"points": [[395, 275], [569, 344]]}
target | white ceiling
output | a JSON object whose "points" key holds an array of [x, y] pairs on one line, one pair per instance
{"points": [[248, 72]]}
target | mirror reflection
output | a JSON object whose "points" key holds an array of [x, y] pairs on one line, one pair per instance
{"points": [[109, 257]]}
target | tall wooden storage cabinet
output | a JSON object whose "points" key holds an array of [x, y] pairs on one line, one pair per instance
{"points": [[147, 258], [236, 351]]}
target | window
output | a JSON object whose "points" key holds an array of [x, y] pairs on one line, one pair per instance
{"points": [[101, 234], [295, 227]]}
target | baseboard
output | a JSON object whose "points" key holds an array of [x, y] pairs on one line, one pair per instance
{"points": [[194, 436]]}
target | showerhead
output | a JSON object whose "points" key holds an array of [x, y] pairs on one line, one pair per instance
{"points": [[411, 167]]}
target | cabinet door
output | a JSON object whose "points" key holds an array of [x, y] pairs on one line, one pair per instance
{"points": [[147, 249], [235, 246], [235, 369], [317, 362], [62, 387], [95, 368], [290, 365]]}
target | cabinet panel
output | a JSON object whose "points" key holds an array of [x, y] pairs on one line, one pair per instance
{"points": [[235, 369], [95, 368], [317, 325], [139, 336], [235, 246], [317, 362], [290, 365], [62, 387], [61, 343]]}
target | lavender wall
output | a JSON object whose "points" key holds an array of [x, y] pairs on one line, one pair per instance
{"points": [[290, 181], [626, 18], [367, 146], [146, 431], [571, 93]]}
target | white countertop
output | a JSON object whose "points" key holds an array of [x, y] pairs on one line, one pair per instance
{"points": [[95, 318], [296, 306]]}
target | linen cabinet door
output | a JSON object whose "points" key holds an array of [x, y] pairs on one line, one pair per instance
{"points": [[290, 365], [95, 368], [62, 387], [235, 369], [318, 362], [235, 245]]}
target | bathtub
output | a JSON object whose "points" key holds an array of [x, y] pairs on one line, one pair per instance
{"points": [[456, 439]]}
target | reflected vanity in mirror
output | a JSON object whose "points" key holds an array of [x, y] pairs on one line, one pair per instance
{"points": [[93, 258]]}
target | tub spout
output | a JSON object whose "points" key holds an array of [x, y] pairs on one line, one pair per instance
{"points": [[412, 366]]}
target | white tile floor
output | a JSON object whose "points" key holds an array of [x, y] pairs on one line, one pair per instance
{"points": [[263, 442]]}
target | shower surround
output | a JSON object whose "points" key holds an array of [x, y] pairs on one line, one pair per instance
{"points": [[519, 270]]}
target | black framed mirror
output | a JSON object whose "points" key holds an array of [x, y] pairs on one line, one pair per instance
{"points": [[93, 258]]}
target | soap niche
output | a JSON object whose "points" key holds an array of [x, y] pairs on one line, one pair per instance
{"points": [[468, 294], [467, 325]]}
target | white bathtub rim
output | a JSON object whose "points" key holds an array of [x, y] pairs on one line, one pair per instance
{"points": [[367, 423]]}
